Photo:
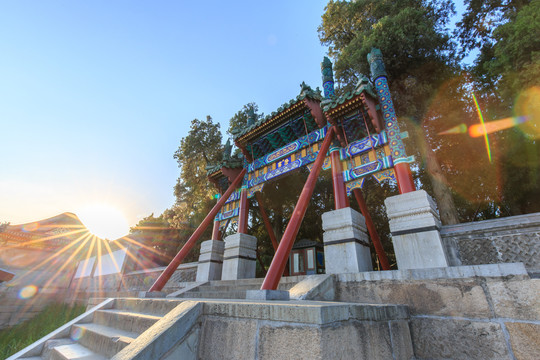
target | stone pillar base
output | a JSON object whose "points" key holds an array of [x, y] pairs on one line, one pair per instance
{"points": [[210, 261], [346, 247], [415, 224], [239, 257]]}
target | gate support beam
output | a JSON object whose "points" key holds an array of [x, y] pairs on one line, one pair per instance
{"points": [[243, 213], [385, 265], [340, 193], [216, 234], [171, 268], [266, 221], [279, 261]]}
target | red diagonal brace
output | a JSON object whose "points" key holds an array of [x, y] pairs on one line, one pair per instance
{"points": [[385, 265], [279, 261], [266, 221], [171, 268]]}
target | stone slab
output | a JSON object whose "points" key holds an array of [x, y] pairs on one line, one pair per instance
{"points": [[152, 294], [239, 257], [228, 338], [517, 299], [454, 272], [267, 295], [414, 225], [314, 287], [458, 339], [525, 340], [445, 297], [346, 247]]}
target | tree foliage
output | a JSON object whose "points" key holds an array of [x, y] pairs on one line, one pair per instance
{"points": [[160, 240], [240, 119], [201, 147], [419, 58]]}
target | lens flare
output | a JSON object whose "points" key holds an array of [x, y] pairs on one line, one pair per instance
{"points": [[498, 125], [28, 292], [104, 221], [77, 333], [528, 103], [486, 138], [460, 129], [30, 227]]}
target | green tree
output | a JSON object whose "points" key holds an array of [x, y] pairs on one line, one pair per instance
{"points": [[419, 58], [201, 147], [506, 75], [240, 119], [161, 241]]}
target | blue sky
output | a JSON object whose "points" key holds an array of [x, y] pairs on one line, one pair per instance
{"points": [[96, 95]]}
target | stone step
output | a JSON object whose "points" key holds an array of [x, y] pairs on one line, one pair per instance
{"points": [[102, 339], [258, 281], [32, 358], [125, 320], [74, 352], [221, 287], [157, 307], [241, 294], [226, 288]]}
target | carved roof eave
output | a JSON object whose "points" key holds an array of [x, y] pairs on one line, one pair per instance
{"points": [[284, 112], [352, 101], [215, 171], [343, 108]]}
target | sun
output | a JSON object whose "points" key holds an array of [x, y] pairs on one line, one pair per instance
{"points": [[104, 221]]}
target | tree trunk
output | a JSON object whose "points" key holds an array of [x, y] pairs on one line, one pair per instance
{"points": [[443, 195]]}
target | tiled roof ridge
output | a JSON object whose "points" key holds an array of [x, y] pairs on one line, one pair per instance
{"points": [[305, 92]]}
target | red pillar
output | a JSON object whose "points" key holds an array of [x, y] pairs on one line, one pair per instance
{"points": [[243, 213], [171, 268], [404, 178], [340, 193], [216, 234], [371, 229], [279, 261], [266, 221]]}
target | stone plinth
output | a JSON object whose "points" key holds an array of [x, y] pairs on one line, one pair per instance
{"points": [[346, 247], [414, 224], [239, 257], [210, 261]]}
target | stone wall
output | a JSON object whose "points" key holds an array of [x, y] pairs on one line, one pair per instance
{"points": [[131, 283], [15, 308], [143, 279], [504, 240], [465, 312]]}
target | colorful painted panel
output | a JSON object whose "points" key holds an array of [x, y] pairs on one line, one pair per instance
{"points": [[234, 196], [227, 214], [304, 141], [369, 168], [363, 145], [380, 176]]}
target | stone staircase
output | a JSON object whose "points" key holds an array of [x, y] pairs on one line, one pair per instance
{"points": [[232, 289], [104, 332], [210, 319]]}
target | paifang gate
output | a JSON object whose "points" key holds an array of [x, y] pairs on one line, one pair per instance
{"points": [[356, 135]]}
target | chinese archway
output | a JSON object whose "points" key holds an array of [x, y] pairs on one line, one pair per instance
{"points": [[356, 135]]}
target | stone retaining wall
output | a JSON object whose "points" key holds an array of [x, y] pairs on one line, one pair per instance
{"points": [[143, 279], [15, 309], [504, 240], [466, 312]]}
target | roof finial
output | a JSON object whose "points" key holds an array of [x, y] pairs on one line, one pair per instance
{"points": [[376, 64], [327, 78], [251, 117]]}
